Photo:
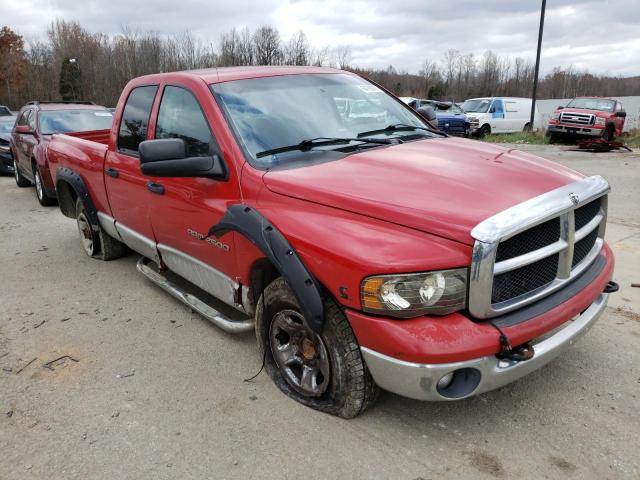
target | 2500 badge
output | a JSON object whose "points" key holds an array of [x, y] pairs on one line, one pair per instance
{"points": [[209, 240]]}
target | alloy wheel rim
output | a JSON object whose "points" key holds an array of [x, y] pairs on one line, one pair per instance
{"points": [[38, 185], [86, 235], [299, 353]]}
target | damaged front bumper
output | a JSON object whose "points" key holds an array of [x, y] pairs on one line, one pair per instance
{"points": [[471, 377]]}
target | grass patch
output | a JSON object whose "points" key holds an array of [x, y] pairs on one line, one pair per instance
{"points": [[632, 138], [537, 138]]}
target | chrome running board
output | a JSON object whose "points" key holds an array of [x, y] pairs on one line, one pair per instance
{"points": [[208, 312]]}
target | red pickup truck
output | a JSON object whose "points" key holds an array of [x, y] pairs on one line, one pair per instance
{"points": [[366, 251], [598, 117]]}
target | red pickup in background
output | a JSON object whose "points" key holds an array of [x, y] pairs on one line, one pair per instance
{"points": [[588, 117], [366, 251]]}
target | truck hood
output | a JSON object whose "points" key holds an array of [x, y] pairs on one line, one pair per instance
{"points": [[598, 113], [440, 186]]}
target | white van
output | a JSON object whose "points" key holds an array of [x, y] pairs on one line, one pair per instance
{"points": [[498, 114]]}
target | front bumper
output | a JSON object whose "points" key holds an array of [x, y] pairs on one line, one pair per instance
{"points": [[575, 130], [419, 381]]}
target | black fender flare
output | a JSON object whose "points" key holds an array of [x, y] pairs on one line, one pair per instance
{"points": [[70, 177], [258, 230]]}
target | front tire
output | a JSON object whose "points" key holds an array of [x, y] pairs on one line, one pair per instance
{"points": [[325, 372], [484, 131], [21, 181], [609, 134], [44, 199], [95, 241]]}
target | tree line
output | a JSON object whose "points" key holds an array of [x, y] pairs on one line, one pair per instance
{"points": [[74, 64]]}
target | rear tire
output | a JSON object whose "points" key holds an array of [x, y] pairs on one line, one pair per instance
{"points": [[44, 199], [338, 380], [21, 181], [95, 241]]}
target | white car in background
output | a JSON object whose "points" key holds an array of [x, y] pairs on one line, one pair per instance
{"points": [[498, 115]]}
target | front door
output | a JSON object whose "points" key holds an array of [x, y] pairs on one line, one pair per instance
{"points": [[498, 120], [26, 142], [129, 197], [185, 208]]}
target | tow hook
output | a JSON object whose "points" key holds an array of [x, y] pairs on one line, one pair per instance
{"points": [[521, 353], [611, 287]]}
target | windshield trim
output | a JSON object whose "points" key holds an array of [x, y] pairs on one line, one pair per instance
{"points": [[248, 157]]}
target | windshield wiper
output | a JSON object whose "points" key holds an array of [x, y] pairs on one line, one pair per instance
{"points": [[399, 127], [320, 142]]}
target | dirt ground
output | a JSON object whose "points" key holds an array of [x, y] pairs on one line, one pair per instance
{"points": [[103, 376]]}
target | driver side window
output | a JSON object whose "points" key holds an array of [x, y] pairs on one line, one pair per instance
{"points": [[180, 116]]}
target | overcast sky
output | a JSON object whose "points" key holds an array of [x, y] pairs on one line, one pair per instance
{"points": [[602, 36]]}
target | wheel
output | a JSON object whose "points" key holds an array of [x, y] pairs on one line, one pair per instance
{"points": [[325, 372], [95, 241], [44, 199], [608, 134], [21, 181], [552, 137], [527, 128], [484, 131]]}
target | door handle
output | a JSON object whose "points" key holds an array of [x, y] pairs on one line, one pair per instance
{"points": [[112, 172], [155, 188]]}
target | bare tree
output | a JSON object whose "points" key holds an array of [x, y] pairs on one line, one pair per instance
{"points": [[297, 51], [267, 45]]}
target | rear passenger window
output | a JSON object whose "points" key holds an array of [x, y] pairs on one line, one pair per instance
{"points": [[180, 116], [24, 117], [31, 120], [135, 118]]}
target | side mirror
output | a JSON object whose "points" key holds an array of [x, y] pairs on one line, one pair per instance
{"points": [[427, 113], [492, 110], [560, 107], [24, 129], [167, 157], [621, 114]]}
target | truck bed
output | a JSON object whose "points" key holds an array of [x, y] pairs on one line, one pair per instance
{"points": [[84, 153]]}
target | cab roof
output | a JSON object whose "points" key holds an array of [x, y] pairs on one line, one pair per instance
{"points": [[225, 74]]}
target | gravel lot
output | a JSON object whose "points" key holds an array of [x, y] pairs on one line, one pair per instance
{"points": [[147, 389]]}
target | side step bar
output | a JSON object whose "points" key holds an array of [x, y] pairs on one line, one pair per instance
{"points": [[211, 314]]}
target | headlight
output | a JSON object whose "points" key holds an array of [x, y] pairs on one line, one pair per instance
{"points": [[415, 294], [555, 116], [601, 121]]}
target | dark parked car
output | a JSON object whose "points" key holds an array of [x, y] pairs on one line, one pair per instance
{"points": [[5, 112], [6, 162], [37, 122], [451, 117]]}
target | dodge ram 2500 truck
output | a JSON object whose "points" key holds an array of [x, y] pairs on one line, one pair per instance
{"points": [[588, 117], [366, 251]]}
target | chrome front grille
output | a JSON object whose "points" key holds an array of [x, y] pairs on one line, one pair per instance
{"points": [[532, 249], [577, 118]]}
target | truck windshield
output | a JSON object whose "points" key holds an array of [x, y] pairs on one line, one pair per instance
{"points": [[593, 104], [476, 106], [65, 121], [273, 112]]}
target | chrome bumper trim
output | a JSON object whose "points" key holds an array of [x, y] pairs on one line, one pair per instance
{"points": [[418, 381]]}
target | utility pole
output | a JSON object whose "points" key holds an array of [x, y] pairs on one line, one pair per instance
{"points": [[535, 77]]}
